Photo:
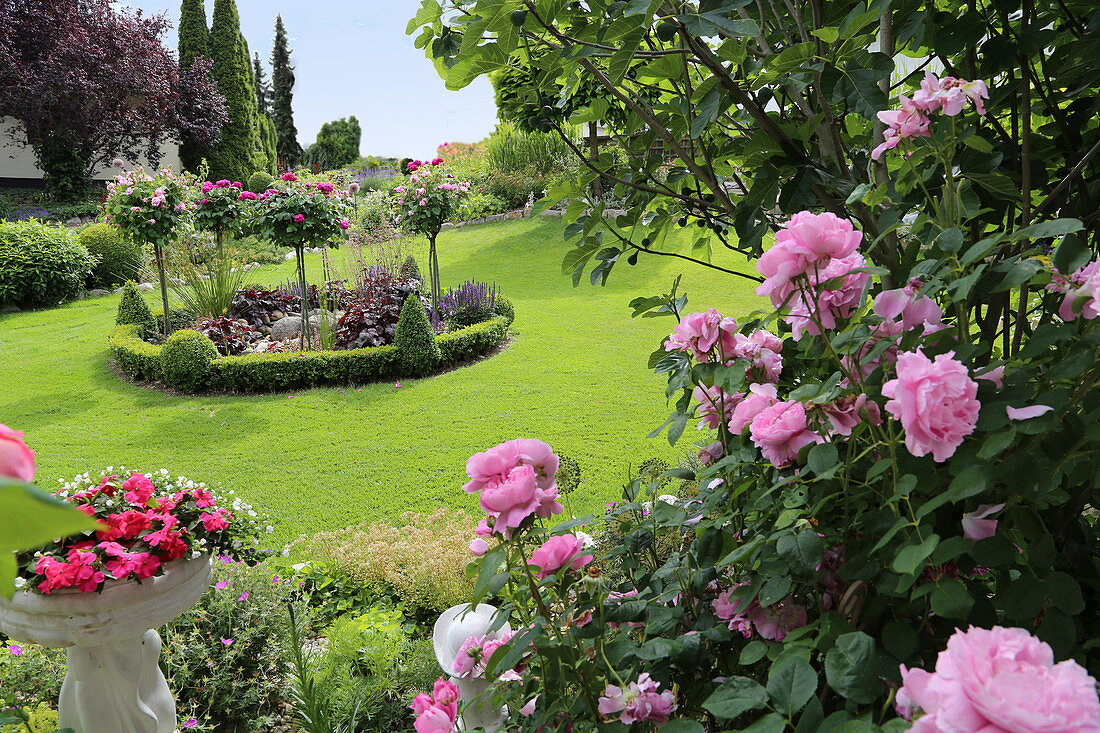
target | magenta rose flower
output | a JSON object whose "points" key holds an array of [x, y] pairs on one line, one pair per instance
{"points": [[999, 679], [780, 431], [935, 402], [559, 552], [16, 459], [299, 217], [808, 240], [289, 177]]}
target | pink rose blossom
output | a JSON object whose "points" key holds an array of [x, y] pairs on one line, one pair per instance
{"points": [[935, 402], [760, 396], [344, 224], [848, 411], [16, 459], [731, 611], [713, 400], [775, 622], [901, 124], [697, 333], [559, 552], [1082, 292], [827, 304], [807, 240], [710, 453], [780, 431], [948, 95], [761, 348], [999, 680], [289, 177], [639, 702], [913, 309], [995, 375], [299, 217], [975, 524]]}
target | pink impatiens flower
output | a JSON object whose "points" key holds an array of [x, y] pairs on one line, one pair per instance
{"points": [[639, 702], [138, 489], [559, 552], [999, 680], [780, 431], [808, 240], [935, 402]]}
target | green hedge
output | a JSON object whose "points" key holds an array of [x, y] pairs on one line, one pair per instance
{"points": [[296, 370]]}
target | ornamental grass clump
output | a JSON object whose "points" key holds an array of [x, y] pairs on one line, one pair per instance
{"points": [[423, 561]]}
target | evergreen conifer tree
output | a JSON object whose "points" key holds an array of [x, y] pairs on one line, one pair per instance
{"points": [[282, 81], [263, 89], [194, 40], [233, 156]]}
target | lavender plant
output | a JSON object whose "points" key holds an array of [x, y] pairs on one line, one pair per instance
{"points": [[471, 302]]}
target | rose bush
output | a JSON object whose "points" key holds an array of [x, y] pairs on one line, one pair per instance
{"points": [[876, 477]]}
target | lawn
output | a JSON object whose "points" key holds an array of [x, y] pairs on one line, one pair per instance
{"points": [[575, 376]]}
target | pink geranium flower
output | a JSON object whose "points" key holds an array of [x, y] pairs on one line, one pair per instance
{"points": [[999, 679], [935, 402]]}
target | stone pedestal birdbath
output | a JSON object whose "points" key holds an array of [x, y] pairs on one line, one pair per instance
{"points": [[452, 628], [113, 683]]}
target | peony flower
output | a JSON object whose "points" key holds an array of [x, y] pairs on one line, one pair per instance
{"points": [[999, 680], [901, 124], [289, 177], [16, 459], [976, 526], [512, 499], [807, 240], [639, 702], [935, 402], [780, 431], [559, 552]]}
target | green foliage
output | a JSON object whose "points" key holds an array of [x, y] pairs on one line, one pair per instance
{"points": [[417, 350], [134, 356], [337, 144], [186, 360], [231, 686], [41, 719], [32, 677], [65, 169], [409, 269], [478, 205], [269, 140], [295, 370], [178, 319], [372, 668], [510, 150], [231, 157], [263, 89], [259, 182], [132, 309], [194, 40], [41, 264], [119, 259], [282, 97], [505, 308]]}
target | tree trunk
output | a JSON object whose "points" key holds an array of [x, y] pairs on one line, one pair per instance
{"points": [[303, 338], [433, 272], [159, 250]]}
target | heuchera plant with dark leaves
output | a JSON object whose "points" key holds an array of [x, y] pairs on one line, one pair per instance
{"points": [[229, 336]]}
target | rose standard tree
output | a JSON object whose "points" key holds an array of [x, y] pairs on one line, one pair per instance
{"points": [[302, 214], [87, 82], [428, 200]]}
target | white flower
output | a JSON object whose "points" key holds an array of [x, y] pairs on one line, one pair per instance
{"points": [[20, 582], [298, 567], [286, 552], [667, 498], [586, 539]]}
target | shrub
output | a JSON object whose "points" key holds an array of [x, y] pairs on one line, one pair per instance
{"points": [[225, 657], [292, 370], [479, 204], [119, 258], [417, 351], [259, 182], [30, 674], [471, 342], [40, 719], [178, 319], [410, 270], [186, 360], [505, 308], [132, 308], [372, 664], [41, 264], [422, 562], [470, 303], [134, 357], [228, 336]]}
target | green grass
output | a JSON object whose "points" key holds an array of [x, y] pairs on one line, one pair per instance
{"points": [[575, 377]]}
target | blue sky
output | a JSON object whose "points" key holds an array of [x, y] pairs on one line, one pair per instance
{"points": [[353, 58]]}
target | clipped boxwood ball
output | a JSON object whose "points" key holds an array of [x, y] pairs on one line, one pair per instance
{"points": [[505, 308], [259, 182], [186, 360]]}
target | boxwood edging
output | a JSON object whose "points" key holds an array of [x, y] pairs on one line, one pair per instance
{"points": [[141, 360]]}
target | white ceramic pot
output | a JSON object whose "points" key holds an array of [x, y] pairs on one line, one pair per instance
{"points": [[113, 683]]}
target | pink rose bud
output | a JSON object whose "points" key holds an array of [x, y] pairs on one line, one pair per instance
{"points": [[478, 547]]}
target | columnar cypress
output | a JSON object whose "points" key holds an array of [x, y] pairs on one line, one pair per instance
{"points": [[282, 80], [263, 89], [232, 157], [194, 40]]}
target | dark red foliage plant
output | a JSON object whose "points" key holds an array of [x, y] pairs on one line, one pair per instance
{"points": [[229, 336]]}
